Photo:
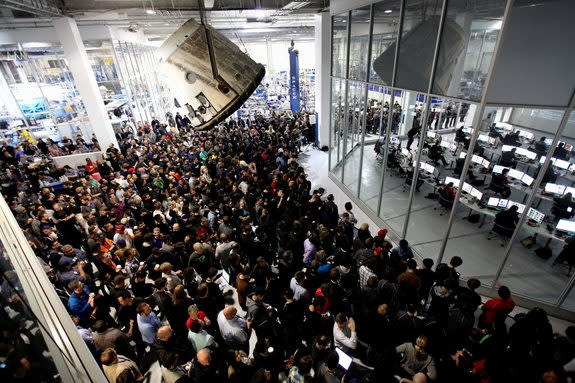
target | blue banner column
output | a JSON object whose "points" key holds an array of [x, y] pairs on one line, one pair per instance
{"points": [[294, 79]]}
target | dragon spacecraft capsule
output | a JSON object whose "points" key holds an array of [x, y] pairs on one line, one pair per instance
{"points": [[209, 75]]}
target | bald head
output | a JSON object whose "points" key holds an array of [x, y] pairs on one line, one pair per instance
{"points": [[164, 333], [230, 312], [204, 357]]}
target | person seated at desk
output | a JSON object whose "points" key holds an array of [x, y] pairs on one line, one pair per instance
{"points": [[561, 153], [505, 221], [561, 207], [540, 147], [409, 179], [550, 175], [473, 179], [508, 159], [393, 160], [499, 183], [436, 154], [494, 133], [512, 139], [460, 135], [448, 190]]}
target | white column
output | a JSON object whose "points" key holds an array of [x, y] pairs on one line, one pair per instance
{"points": [[75, 54], [322, 75]]}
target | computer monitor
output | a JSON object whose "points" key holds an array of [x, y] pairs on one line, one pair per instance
{"points": [[526, 153], [520, 206], [485, 163], [516, 174], [405, 152], [562, 164], [455, 181], [468, 130], [535, 215], [504, 125], [463, 155], [483, 138], [492, 201], [448, 145], [542, 159], [431, 134], [527, 179], [554, 189], [571, 190], [507, 148], [394, 140], [498, 169], [528, 135], [477, 159], [566, 226], [568, 147], [429, 168], [476, 193], [344, 359], [467, 187]]}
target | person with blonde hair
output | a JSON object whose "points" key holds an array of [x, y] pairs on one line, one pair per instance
{"points": [[416, 364]]}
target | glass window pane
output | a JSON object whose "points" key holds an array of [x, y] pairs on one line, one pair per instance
{"points": [[546, 59], [359, 43], [356, 117], [379, 98], [440, 160], [385, 26], [337, 125], [339, 45], [569, 303], [417, 45], [395, 194], [543, 277], [466, 49]]}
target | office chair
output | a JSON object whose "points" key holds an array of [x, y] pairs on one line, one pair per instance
{"points": [[445, 202], [504, 233], [497, 188]]}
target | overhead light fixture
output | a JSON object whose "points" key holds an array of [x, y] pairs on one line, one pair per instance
{"points": [[36, 45], [150, 12], [387, 11], [296, 5]]}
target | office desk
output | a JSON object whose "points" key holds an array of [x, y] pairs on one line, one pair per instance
{"points": [[473, 206]]}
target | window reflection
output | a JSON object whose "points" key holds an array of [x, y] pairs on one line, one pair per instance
{"points": [[339, 45], [466, 48]]}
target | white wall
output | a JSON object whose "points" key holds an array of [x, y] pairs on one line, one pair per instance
{"points": [[543, 121], [279, 54]]}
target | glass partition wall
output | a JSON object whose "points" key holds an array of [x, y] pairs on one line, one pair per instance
{"points": [[403, 128]]}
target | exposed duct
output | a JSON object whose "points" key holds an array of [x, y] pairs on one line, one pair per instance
{"points": [[36, 7]]}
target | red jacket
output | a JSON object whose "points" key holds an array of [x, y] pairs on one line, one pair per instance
{"points": [[497, 309]]}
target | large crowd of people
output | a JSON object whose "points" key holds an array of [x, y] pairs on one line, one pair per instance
{"points": [[210, 253]]}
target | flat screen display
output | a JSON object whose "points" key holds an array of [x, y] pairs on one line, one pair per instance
{"points": [[566, 225]]}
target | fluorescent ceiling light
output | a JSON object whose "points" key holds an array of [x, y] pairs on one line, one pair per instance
{"points": [[36, 45], [150, 12], [296, 4], [387, 11], [257, 30]]}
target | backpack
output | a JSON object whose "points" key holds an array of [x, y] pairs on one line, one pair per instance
{"points": [[544, 252]]}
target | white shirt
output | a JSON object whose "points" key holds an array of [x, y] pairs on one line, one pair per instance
{"points": [[233, 331], [344, 339]]}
